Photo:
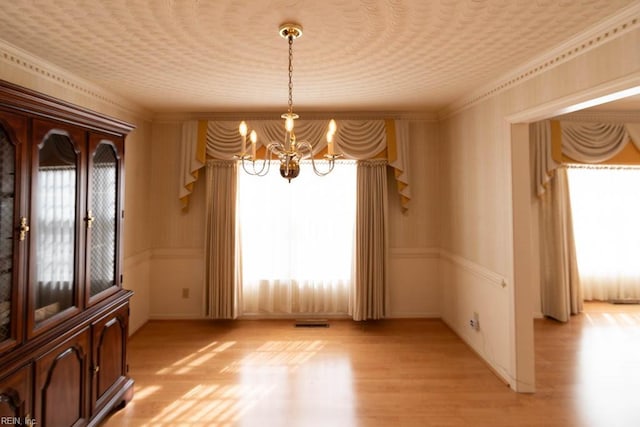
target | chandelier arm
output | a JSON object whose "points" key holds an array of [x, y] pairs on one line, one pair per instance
{"points": [[318, 171], [302, 145], [247, 170], [276, 148], [256, 172], [330, 159]]}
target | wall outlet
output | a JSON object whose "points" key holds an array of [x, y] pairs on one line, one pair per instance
{"points": [[185, 292], [475, 321]]}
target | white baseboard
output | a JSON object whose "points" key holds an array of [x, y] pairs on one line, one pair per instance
{"points": [[176, 316], [414, 315]]}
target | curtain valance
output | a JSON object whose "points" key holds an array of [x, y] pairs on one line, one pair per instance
{"points": [[583, 141], [356, 139], [593, 142]]}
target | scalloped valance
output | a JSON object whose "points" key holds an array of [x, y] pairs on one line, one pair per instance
{"points": [[587, 142], [356, 139]]}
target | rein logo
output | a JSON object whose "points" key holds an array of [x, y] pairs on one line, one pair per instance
{"points": [[18, 421]]}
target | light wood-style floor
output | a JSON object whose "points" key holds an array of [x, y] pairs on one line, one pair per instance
{"points": [[389, 373]]}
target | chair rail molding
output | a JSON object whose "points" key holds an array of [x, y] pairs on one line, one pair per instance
{"points": [[476, 269], [422, 252]]}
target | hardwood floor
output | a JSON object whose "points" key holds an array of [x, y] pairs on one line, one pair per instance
{"points": [[389, 373]]}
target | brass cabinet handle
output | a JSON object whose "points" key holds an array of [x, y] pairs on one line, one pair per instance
{"points": [[90, 218], [96, 369], [24, 228]]}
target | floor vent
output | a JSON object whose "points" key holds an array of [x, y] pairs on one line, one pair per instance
{"points": [[625, 301], [312, 323]]}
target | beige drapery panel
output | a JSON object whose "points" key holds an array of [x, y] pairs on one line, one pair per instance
{"points": [[222, 274], [561, 293], [357, 139], [544, 165], [560, 289], [369, 296], [192, 158]]}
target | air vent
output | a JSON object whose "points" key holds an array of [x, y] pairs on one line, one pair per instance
{"points": [[312, 323]]}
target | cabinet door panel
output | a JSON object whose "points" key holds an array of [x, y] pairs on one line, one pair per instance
{"points": [[13, 134], [57, 200], [61, 383], [15, 395], [109, 355], [103, 216]]}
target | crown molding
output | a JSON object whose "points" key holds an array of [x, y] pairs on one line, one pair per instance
{"points": [[602, 116], [611, 90], [615, 26], [18, 58]]}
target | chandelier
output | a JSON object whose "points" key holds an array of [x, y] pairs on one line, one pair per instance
{"points": [[291, 151]]}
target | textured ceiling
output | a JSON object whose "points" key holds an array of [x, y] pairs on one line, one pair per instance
{"points": [[357, 55]]}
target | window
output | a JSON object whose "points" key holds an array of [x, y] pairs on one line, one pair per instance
{"points": [[296, 240], [605, 209]]}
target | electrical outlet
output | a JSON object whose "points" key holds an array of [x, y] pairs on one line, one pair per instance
{"points": [[185, 292], [475, 321]]}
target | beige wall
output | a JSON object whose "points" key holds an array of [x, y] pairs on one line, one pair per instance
{"points": [[413, 236], [477, 212], [137, 233], [18, 68], [178, 238]]}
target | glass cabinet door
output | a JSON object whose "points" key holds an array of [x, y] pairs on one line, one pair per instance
{"points": [[103, 205], [7, 220], [54, 235], [13, 227]]}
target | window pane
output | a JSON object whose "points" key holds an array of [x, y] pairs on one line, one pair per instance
{"points": [[297, 240], [605, 209]]}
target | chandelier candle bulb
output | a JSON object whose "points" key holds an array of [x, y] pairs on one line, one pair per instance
{"points": [[243, 133], [332, 126], [330, 150], [254, 139]]}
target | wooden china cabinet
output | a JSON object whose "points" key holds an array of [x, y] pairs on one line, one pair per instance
{"points": [[63, 313]]}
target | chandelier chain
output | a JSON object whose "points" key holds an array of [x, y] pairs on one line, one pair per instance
{"points": [[290, 37]]}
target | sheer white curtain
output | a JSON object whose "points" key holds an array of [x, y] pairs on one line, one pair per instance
{"points": [[606, 218], [297, 241], [55, 246]]}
